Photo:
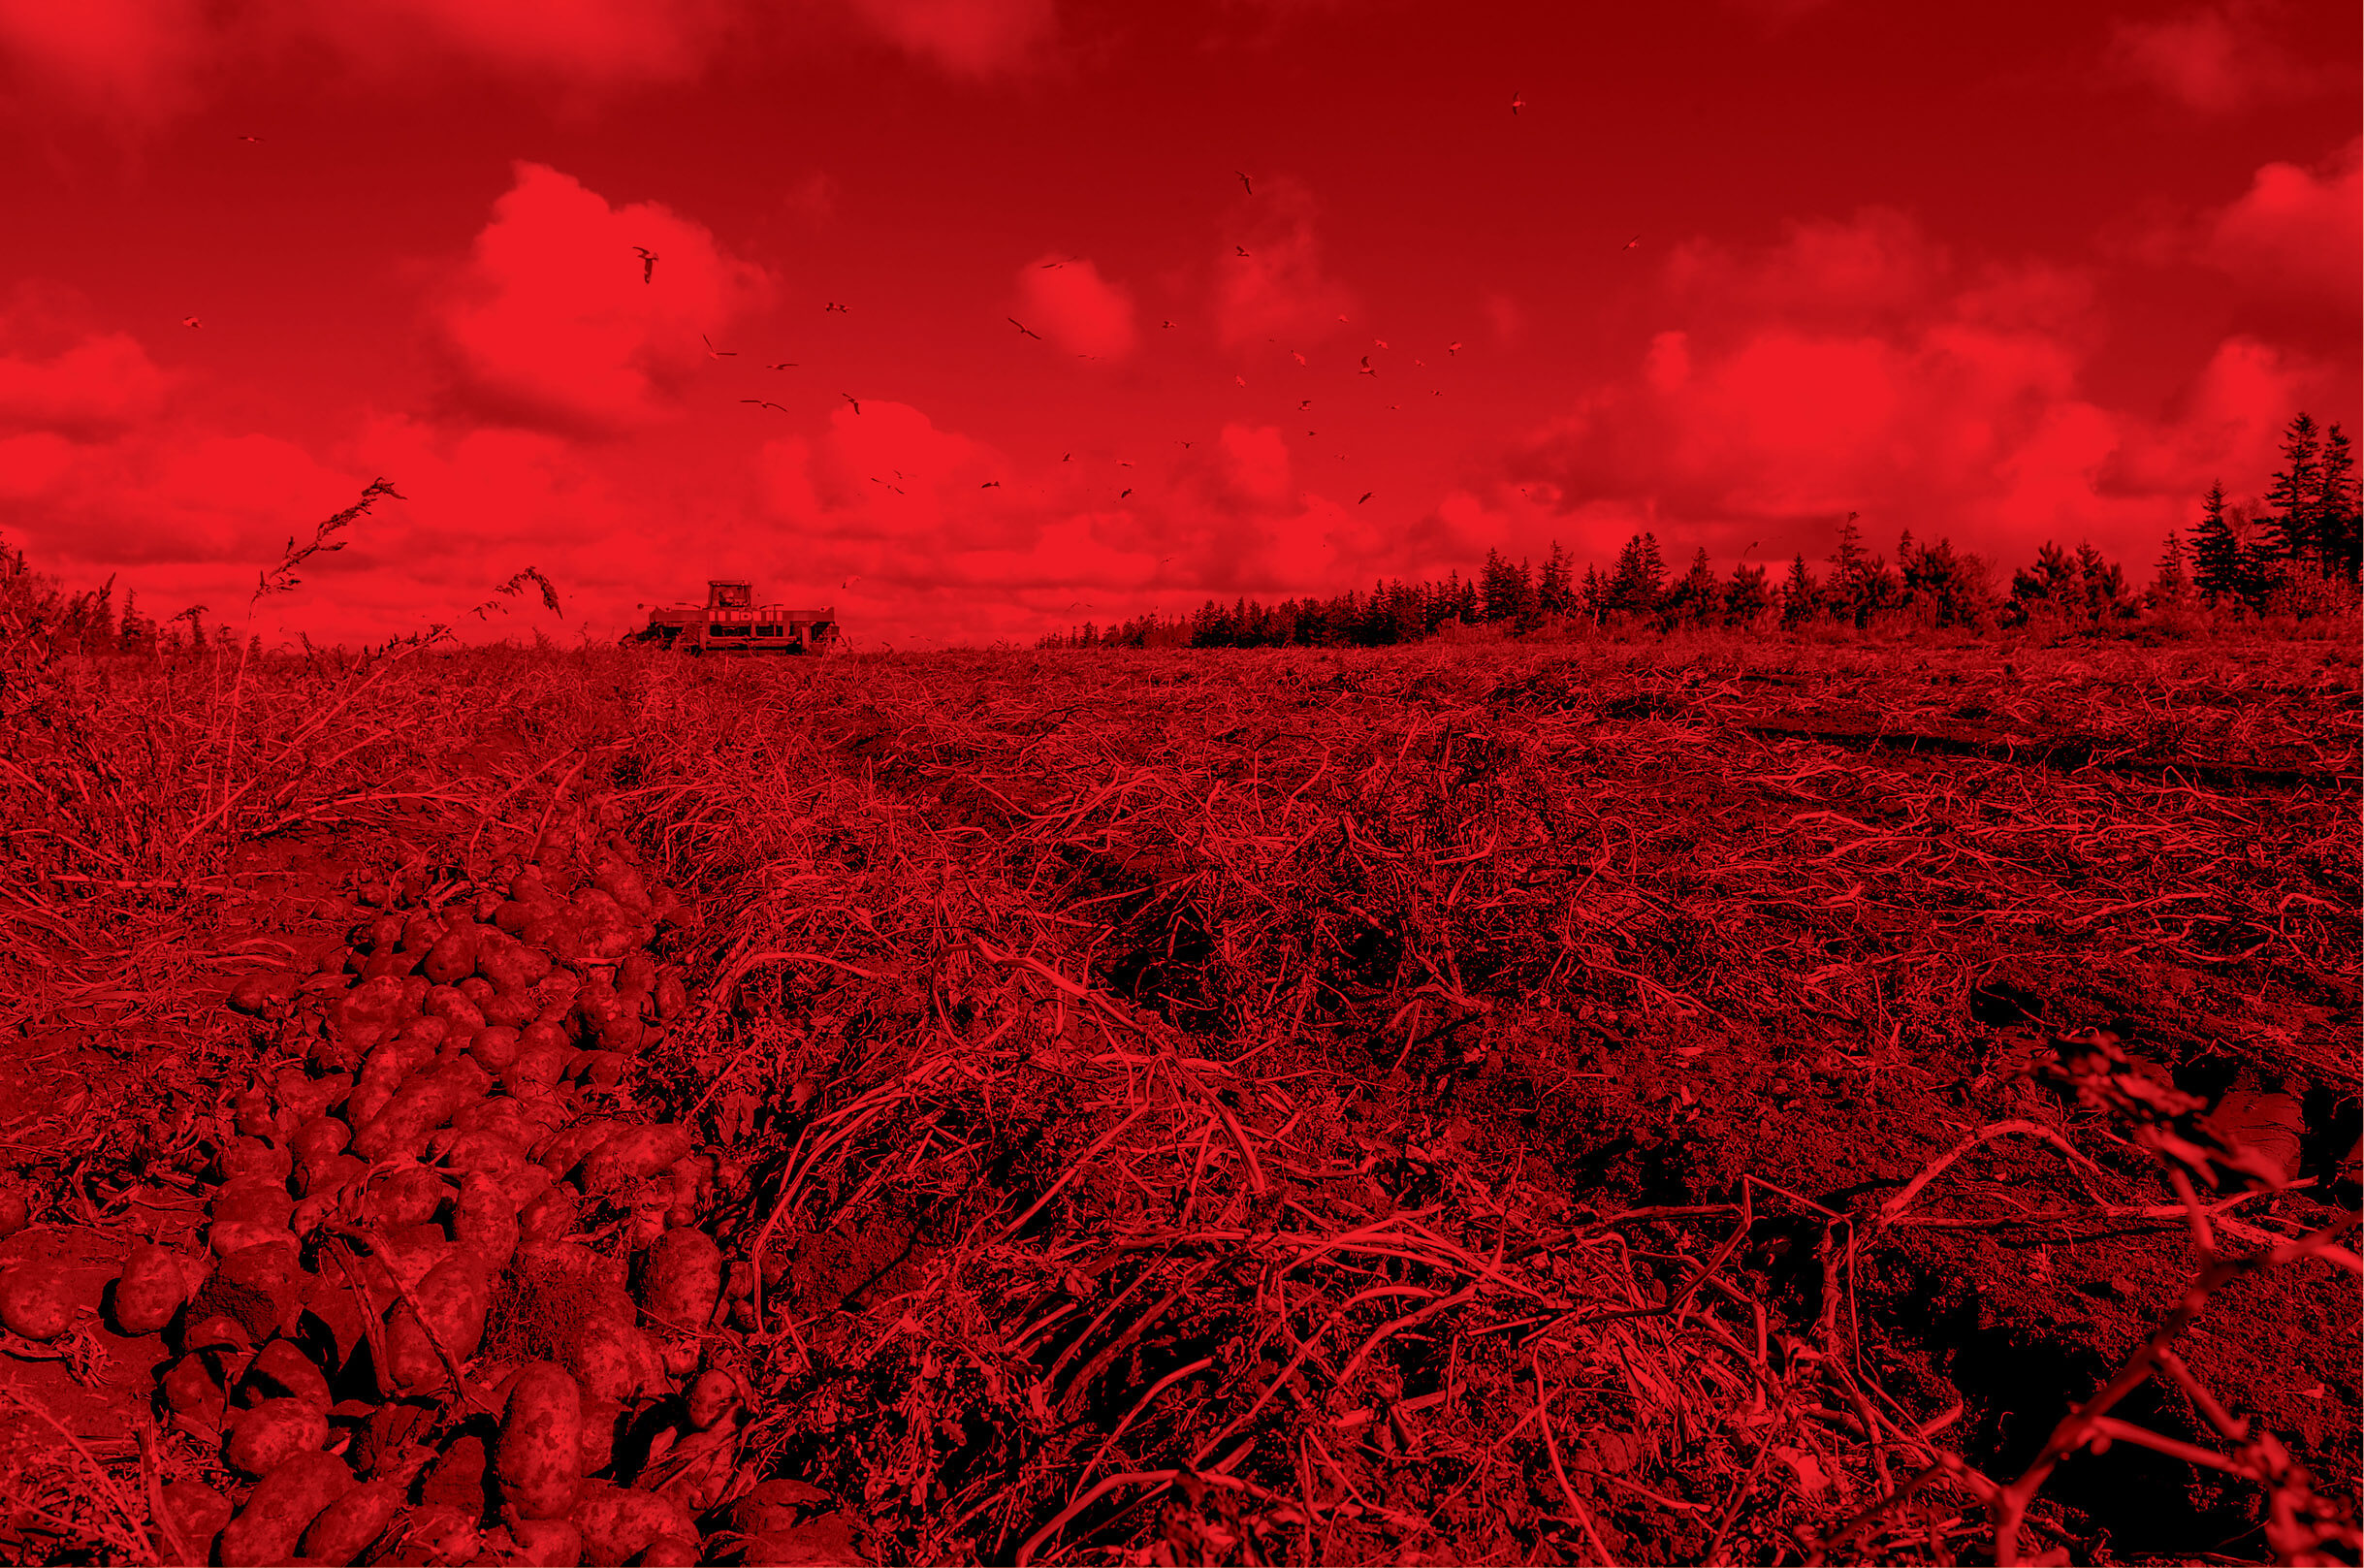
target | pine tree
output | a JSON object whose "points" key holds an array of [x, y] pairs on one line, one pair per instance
{"points": [[1801, 594], [2339, 538], [2101, 583], [1594, 597], [136, 631], [1694, 600], [1555, 593], [1745, 596], [2216, 554], [2292, 533], [2050, 581], [2169, 583]]}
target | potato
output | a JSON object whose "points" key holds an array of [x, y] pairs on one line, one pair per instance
{"points": [[514, 1008], [632, 1156], [671, 1551], [250, 1213], [427, 1034], [348, 1527], [601, 1069], [411, 1253], [416, 1110], [494, 1047], [281, 1371], [554, 1216], [612, 1361], [619, 1523], [453, 1299], [669, 997], [369, 1012], [271, 1433], [15, 1208], [621, 880], [484, 1220], [528, 1183], [681, 1279], [259, 1287], [455, 1009], [38, 1300], [511, 964], [453, 957], [600, 1419], [535, 1072], [693, 1178], [319, 1137], [193, 1393], [538, 1460], [406, 1195], [484, 1153], [281, 1505], [259, 993], [251, 1158], [711, 1398], [324, 1178], [151, 1287], [475, 987], [458, 1474], [637, 973], [547, 1543], [566, 1148], [440, 1532], [196, 1513]]}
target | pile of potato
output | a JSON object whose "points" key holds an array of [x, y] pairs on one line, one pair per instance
{"points": [[457, 1150]]}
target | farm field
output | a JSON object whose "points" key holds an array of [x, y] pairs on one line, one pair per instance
{"points": [[1704, 1102]]}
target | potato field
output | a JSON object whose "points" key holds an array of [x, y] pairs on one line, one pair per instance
{"points": [[1751, 1100]]}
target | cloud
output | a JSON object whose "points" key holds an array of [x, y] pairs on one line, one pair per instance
{"points": [[2297, 229], [971, 38], [1070, 304], [586, 42], [99, 385], [2211, 59], [1855, 367], [1278, 289], [553, 325], [133, 59]]}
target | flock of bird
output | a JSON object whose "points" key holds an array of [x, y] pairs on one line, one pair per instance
{"points": [[647, 275], [648, 259]]}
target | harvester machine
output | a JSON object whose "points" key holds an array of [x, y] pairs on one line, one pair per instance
{"points": [[731, 621]]}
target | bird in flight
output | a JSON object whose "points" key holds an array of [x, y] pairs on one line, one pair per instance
{"points": [[990, 484], [851, 580], [1024, 328], [850, 398], [1367, 365], [1307, 404], [717, 353], [1243, 180], [1294, 355], [1241, 380], [1165, 323], [1517, 103], [897, 489], [1186, 443], [1366, 496], [1381, 341], [250, 139], [1242, 249], [763, 403], [1047, 266], [191, 321], [648, 263], [783, 364], [1122, 494], [1065, 456], [1453, 349], [832, 305], [1634, 241]]}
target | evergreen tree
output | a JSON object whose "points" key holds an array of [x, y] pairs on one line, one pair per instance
{"points": [[1639, 582], [1943, 589], [2051, 581], [2339, 538], [1745, 596], [2216, 554], [136, 632], [1694, 600], [1593, 598], [2292, 533], [2101, 583], [1801, 594], [2169, 583], [1555, 590]]}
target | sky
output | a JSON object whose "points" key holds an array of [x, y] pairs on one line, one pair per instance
{"points": [[973, 319]]}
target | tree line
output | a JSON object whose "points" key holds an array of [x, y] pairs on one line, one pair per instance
{"points": [[2296, 552]]}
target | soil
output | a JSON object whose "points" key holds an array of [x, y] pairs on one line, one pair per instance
{"points": [[1781, 929]]}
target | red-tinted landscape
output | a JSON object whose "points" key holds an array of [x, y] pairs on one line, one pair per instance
{"points": [[1718, 921]]}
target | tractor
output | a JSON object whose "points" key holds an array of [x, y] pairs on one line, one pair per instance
{"points": [[731, 621]]}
